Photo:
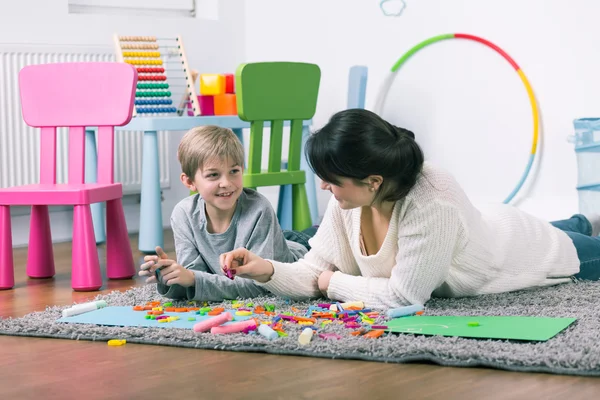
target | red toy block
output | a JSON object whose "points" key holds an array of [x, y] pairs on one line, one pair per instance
{"points": [[207, 105], [229, 83], [225, 104]]}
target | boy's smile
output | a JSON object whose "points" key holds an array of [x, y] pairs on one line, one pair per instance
{"points": [[225, 194], [219, 183]]}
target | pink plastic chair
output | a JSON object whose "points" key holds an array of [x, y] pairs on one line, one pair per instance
{"points": [[74, 95]]}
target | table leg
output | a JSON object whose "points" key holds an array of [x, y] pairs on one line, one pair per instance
{"points": [[151, 229], [91, 176]]}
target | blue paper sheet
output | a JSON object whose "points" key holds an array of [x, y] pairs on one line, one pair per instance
{"points": [[126, 316]]}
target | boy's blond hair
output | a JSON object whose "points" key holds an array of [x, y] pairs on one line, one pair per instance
{"points": [[204, 143]]}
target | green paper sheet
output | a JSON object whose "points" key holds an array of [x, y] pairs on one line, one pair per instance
{"points": [[515, 328]]}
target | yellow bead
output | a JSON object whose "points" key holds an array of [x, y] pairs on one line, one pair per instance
{"points": [[243, 313], [116, 342]]}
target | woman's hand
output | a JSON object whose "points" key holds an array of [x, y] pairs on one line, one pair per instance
{"points": [[246, 264], [171, 272], [323, 281]]}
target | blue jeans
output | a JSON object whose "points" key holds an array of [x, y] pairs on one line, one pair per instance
{"points": [[301, 237], [579, 230]]}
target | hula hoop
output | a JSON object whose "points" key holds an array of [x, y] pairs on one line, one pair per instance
{"points": [[532, 100]]}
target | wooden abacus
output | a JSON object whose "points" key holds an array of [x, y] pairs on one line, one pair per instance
{"points": [[163, 74]]}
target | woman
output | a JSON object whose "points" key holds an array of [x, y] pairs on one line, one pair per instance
{"points": [[399, 230]]}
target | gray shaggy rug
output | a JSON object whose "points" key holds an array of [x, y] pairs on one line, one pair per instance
{"points": [[574, 351]]}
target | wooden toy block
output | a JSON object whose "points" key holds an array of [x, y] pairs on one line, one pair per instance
{"points": [[225, 104], [229, 83], [212, 84], [207, 105]]}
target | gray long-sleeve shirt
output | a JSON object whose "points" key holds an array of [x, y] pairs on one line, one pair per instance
{"points": [[254, 226]]}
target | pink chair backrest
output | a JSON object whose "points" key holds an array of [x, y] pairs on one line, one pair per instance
{"points": [[77, 95]]}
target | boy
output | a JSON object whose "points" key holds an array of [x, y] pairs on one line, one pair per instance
{"points": [[223, 216]]}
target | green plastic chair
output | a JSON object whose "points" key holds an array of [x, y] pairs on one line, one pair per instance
{"points": [[278, 92]]}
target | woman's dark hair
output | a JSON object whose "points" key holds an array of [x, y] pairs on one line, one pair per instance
{"points": [[357, 143]]}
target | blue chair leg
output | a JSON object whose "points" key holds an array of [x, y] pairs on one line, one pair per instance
{"points": [[151, 229], [357, 86], [311, 188], [91, 176], [284, 204]]}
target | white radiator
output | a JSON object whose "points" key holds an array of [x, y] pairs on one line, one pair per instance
{"points": [[20, 144]]}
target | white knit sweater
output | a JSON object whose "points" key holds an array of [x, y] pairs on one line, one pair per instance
{"points": [[437, 244]]}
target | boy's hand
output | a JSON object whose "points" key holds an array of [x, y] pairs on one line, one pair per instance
{"points": [[171, 272], [246, 264], [175, 274], [149, 266]]}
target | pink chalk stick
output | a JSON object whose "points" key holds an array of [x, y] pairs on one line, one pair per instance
{"points": [[233, 328], [212, 322]]}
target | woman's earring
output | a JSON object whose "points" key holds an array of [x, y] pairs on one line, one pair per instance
{"points": [[372, 189]]}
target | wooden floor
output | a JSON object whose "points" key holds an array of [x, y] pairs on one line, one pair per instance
{"points": [[67, 369]]}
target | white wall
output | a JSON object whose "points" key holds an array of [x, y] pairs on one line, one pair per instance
{"points": [[466, 105], [211, 45]]}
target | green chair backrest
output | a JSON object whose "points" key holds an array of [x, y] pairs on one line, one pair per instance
{"points": [[276, 92]]}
